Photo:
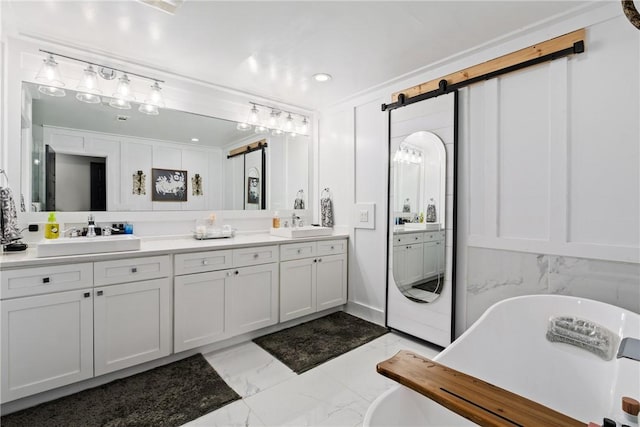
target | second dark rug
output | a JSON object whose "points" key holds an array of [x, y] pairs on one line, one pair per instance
{"points": [[169, 395], [310, 344]]}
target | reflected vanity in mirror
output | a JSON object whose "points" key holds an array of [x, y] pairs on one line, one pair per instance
{"points": [[93, 157], [419, 177], [421, 246]]}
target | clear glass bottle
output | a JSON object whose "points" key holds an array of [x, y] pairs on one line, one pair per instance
{"points": [[275, 222]]}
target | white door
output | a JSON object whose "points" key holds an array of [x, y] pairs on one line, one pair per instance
{"points": [[199, 309], [47, 342], [414, 258], [297, 288], [430, 263], [251, 298], [132, 324], [331, 281]]}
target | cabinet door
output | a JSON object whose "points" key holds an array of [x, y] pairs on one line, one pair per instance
{"points": [[131, 324], [251, 298], [430, 259], [415, 269], [331, 285], [297, 288], [400, 264], [199, 309], [47, 342]]}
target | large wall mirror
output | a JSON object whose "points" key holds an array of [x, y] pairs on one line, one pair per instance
{"points": [[421, 248], [93, 157]]}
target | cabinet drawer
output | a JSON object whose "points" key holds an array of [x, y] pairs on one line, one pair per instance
{"points": [[297, 251], [432, 236], [255, 256], [201, 262], [405, 239], [332, 247], [131, 270], [40, 280]]}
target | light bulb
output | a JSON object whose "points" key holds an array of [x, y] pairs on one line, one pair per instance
{"points": [[293, 134], [243, 126], [304, 128], [155, 97], [288, 124], [254, 116], [49, 72], [123, 90], [89, 82], [51, 91], [273, 119], [276, 132], [119, 103], [89, 98]]}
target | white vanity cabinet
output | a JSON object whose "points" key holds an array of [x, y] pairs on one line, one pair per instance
{"points": [[132, 317], [218, 302], [47, 342], [417, 256], [313, 277]]}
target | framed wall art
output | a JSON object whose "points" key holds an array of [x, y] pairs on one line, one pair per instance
{"points": [[169, 185]]}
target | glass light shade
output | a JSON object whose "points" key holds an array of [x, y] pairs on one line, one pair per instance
{"points": [[288, 124], [51, 91], [243, 126], [254, 115], [304, 127], [119, 103], [261, 129], [49, 73], [123, 90], [149, 109], [89, 82], [276, 132], [273, 119], [89, 98], [155, 97]]}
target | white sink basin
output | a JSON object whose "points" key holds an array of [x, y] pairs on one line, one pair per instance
{"points": [[427, 226], [87, 245], [305, 231]]}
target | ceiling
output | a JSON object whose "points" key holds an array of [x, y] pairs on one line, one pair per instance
{"points": [[273, 48]]}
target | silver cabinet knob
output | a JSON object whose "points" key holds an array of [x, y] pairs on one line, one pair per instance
{"points": [[46, 280], [236, 272], [319, 259], [255, 256], [315, 260], [205, 262], [87, 294], [332, 248], [99, 293], [299, 251]]}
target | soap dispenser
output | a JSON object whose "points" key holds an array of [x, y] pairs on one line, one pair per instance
{"points": [[275, 223], [51, 228]]}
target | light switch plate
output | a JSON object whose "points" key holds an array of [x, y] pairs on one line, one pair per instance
{"points": [[365, 215]]}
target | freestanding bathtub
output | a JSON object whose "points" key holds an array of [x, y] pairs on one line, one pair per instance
{"points": [[508, 347]]}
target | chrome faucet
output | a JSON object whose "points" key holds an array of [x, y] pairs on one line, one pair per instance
{"points": [[629, 348], [91, 226]]}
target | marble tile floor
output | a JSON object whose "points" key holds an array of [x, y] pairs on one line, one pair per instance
{"points": [[336, 393]]}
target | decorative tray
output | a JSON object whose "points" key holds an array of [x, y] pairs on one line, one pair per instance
{"points": [[214, 234]]}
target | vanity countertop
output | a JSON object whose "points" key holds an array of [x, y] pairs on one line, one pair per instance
{"points": [[156, 246]]}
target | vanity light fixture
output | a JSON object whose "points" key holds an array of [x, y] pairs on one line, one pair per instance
{"points": [[274, 123], [88, 90], [408, 155]]}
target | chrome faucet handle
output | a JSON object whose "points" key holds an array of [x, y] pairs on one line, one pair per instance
{"points": [[106, 230]]}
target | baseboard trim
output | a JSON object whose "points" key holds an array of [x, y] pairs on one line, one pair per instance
{"points": [[366, 312]]}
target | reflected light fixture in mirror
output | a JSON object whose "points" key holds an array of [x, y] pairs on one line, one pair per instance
{"points": [[49, 74], [273, 122]]}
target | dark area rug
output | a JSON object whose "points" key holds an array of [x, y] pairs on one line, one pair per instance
{"points": [[430, 286], [169, 395], [310, 344]]}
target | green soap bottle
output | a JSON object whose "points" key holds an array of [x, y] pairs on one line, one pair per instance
{"points": [[52, 228]]}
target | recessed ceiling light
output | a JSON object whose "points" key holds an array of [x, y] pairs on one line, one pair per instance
{"points": [[195, 139], [322, 77]]}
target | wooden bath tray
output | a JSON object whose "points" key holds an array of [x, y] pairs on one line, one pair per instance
{"points": [[483, 403]]}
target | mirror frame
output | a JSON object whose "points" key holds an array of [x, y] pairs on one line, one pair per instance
{"points": [[454, 207]]}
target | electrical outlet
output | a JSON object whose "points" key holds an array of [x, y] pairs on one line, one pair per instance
{"points": [[364, 216]]}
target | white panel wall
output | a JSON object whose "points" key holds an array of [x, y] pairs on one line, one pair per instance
{"points": [[550, 164]]}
